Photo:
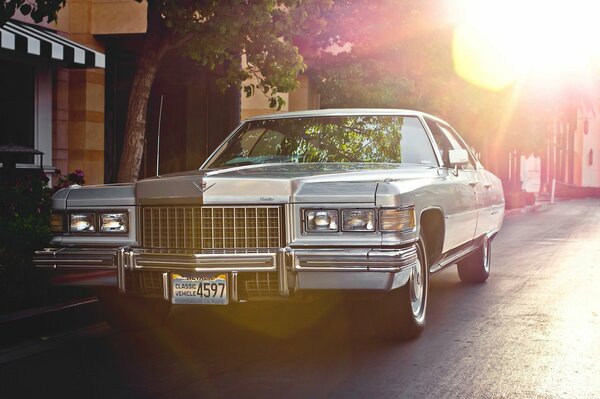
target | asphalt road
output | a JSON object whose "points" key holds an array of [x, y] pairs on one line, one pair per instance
{"points": [[531, 331]]}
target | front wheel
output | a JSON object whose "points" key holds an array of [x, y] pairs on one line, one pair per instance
{"points": [[475, 268], [402, 312], [127, 313]]}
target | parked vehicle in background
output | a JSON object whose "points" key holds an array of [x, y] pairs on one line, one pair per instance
{"points": [[369, 202]]}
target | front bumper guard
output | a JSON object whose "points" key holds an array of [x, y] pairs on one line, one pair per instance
{"points": [[131, 259], [297, 269]]}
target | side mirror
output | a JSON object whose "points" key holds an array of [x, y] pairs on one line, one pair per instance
{"points": [[458, 157]]}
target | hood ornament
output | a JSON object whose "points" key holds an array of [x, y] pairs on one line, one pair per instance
{"points": [[202, 186]]}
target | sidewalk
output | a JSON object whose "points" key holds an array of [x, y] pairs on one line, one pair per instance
{"points": [[537, 207]]}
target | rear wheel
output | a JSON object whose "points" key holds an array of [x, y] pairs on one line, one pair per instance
{"points": [[127, 313], [475, 268], [402, 312]]}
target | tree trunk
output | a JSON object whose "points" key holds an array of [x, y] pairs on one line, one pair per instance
{"points": [[155, 48], [135, 125]]}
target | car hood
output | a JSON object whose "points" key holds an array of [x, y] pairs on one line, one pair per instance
{"points": [[278, 183], [100, 196]]}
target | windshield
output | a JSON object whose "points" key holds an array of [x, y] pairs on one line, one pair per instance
{"points": [[381, 139]]}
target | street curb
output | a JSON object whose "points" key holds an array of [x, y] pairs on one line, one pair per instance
{"points": [[35, 312], [47, 320], [537, 207]]}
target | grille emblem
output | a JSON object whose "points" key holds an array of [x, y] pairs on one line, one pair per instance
{"points": [[202, 186]]}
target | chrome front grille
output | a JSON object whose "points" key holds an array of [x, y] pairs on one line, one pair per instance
{"points": [[211, 227], [260, 285], [146, 283]]}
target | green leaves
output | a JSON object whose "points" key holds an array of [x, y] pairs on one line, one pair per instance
{"points": [[259, 32], [249, 90], [36, 9], [10, 8], [398, 54], [24, 216], [25, 9]]}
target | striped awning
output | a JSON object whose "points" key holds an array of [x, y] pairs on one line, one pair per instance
{"points": [[36, 41]]}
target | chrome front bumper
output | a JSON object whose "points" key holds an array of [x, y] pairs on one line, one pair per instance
{"points": [[76, 259], [296, 269]]}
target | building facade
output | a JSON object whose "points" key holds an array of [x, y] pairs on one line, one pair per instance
{"points": [[572, 149], [588, 132], [569, 165], [52, 96]]}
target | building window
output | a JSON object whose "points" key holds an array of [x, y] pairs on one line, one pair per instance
{"points": [[26, 110], [17, 106]]}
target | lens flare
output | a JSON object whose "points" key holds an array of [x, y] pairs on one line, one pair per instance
{"points": [[498, 43]]}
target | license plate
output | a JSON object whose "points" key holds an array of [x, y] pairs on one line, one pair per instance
{"points": [[199, 290]]}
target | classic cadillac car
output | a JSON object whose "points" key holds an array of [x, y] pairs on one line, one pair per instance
{"points": [[369, 202]]}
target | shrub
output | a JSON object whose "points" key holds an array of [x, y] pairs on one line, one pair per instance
{"points": [[70, 179], [24, 228]]}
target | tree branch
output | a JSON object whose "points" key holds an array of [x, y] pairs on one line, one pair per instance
{"points": [[176, 42]]}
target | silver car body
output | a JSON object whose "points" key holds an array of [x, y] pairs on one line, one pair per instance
{"points": [[468, 204]]}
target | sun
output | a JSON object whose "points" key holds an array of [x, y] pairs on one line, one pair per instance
{"points": [[496, 43]]}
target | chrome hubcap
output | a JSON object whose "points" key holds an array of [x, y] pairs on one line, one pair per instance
{"points": [[486, 256], [417, 289]]}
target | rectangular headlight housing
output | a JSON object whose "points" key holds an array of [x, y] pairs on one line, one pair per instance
{"points": [[397, 220], [114, 222], [321, 220], [82, 222], [358, 220]]}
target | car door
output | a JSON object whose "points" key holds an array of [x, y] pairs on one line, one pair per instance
{"points": [[489, 195], [461, 205], [491, 210]]}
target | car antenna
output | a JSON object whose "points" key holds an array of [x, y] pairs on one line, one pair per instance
{"points": [[158, 139]]}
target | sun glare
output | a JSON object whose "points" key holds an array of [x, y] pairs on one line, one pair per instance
{"points": [[497, 43]]}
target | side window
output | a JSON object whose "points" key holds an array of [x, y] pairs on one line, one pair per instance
{"points": [[473, 154], [457, 143], [441, 141], [414, 144], [446, 139]]}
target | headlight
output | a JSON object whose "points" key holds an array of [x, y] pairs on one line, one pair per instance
{"points": [[82, 222], [397, 219], [358, 220], [321, 220], [113, 222]]}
